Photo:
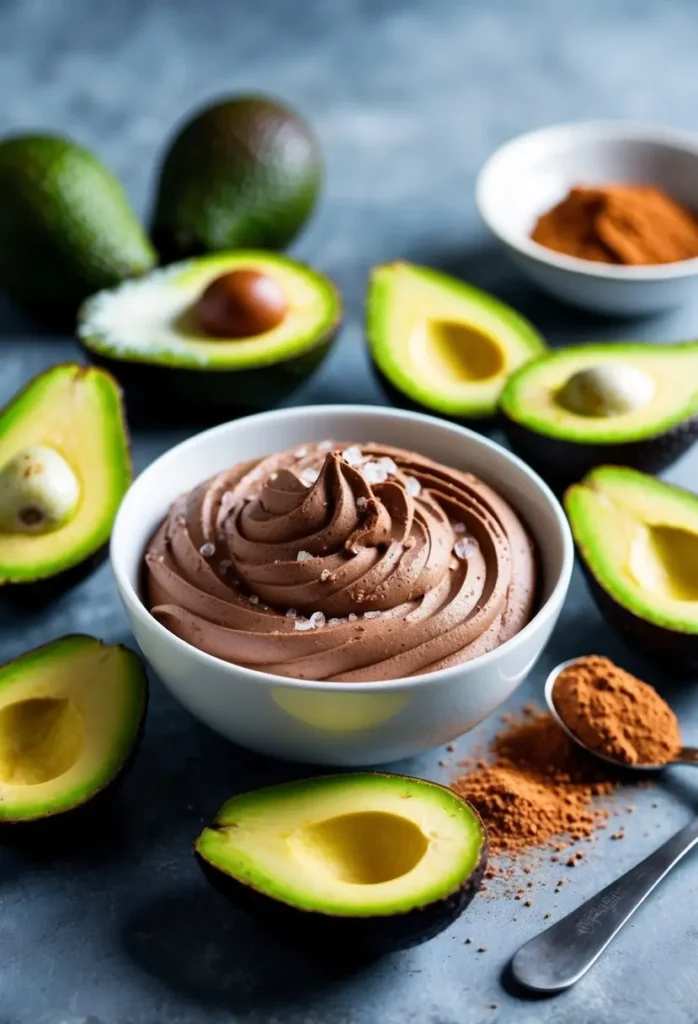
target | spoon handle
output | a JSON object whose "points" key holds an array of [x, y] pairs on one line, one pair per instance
{"points": [[687, 755], [559, 956]]}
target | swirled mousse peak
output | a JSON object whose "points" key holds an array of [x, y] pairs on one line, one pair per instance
{"points": [[344, 562]]}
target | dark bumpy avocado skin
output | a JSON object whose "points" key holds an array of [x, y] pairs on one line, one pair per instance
{"points": [[562, 463], [363, 936], [214, 395], [484, 424], [668, 647], [243, 173], [66, 228]]}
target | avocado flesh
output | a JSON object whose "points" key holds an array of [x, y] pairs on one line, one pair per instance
{"points": [[71, 713], [66, 227], [77, 411], [152, 320], [343, 852], [529, 397], [443, 344]]}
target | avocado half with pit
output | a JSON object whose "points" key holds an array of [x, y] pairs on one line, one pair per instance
{"points": [[629, 404], [369, 862], [638, 541], [64, 468], [219, 334], [71, 716], [442, 345]]}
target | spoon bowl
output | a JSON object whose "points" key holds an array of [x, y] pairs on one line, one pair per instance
{"points": [[687, 755]]}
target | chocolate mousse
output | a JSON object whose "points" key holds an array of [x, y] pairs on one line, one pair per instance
{"points": [[342, 562]]}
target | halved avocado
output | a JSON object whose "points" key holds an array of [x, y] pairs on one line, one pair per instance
{"points": [[440, 344], [149, 332], [630, 404], [71, 714], [638, 541], [72, 417], [370, 861]]}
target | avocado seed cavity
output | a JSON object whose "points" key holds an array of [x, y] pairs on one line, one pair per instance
{"points": [[612, 389], [38, 491], [241, 304]]}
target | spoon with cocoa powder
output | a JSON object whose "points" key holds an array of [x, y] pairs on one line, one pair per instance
{"points": [[625, 722], [614, 716]]}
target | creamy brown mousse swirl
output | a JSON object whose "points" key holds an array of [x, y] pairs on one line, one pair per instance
{"points": [[342, 562]]}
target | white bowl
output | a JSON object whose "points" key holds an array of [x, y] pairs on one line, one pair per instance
{"points": [[338, 723], [528, 175]]}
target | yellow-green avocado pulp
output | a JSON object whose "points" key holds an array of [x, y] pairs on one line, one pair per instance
{"points": [[443, 344], [638, 537], [71, 713], [355, 845]]}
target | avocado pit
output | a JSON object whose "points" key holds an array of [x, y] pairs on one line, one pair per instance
{"points": [[39, 491], [612, 389], [241, 304]]}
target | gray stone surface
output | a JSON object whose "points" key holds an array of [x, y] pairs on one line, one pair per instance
{"points": [[408, 98]]}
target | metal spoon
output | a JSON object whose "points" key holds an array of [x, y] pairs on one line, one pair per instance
{"points": [[563, 953], [687, 755]]}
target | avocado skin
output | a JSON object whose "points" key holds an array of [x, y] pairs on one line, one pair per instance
{"points": [[68, 825], [214, 395], [562, 463], [66, 227], [371, 936], [481, 422], [242, 173], [667, 647]]}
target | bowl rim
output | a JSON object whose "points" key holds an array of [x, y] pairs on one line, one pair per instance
{"points": [[135, 605], [619, 131]]}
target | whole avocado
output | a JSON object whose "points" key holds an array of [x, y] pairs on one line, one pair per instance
{"points": [[243, 173], [66, 226]]}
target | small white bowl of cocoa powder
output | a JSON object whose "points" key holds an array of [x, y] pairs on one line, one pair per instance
{"points": [[603, 215]]}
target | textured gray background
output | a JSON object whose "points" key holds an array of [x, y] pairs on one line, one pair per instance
{"points": [[408, 100]]}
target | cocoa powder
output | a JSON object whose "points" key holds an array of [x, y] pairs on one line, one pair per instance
{"points": [[538, 787], [616, 714], [627, 224]]}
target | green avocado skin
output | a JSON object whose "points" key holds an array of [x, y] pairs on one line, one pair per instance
{"points": [[179, 394], [666, 647], [243, 173], [562, 463], [66, 227], [360, 936]]}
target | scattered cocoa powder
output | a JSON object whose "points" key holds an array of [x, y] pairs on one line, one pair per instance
{"points": [[616, 714], [538, 787], [627, 224]]}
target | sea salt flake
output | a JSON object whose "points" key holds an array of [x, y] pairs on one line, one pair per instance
{"points": [[207, 550], [351, 617], [317, 620], [304, 556], [301, 452], [253, 599], [374, 473], [302, 624], [335, 622], [324, 445], [310, 475], [414, 487], [354, 456], [371, 615], [291, 613], [459, 527], [224, 565], [325, 575], [387, 464], [465, 547], [361, 502]]}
